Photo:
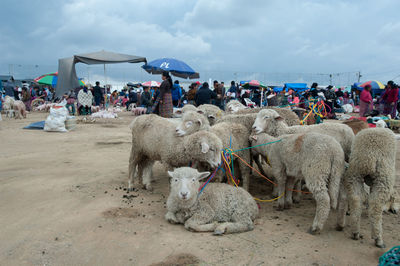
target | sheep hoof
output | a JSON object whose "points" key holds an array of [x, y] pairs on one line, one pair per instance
{"points": [[393, 211], [280, 208], [218, 232], [356, 236], [148, 187], [339, 228], [314, 232], [379, 243]]}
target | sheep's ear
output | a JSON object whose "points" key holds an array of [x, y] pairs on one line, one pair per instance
{"points": [[179, 112], [171, 174], [211, 117], [253, 137], [204, 147], [200, 112], [279, 118], [199, 122], [202, 175]]}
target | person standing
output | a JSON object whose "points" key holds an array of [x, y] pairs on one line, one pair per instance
{"points": [[390, 98], [163, 105], [219, 89], [204, 95], [176, 93], [97, 93], [133, 98], [231, 94], [365, 100], [85, 99], [192, 93], [26, 98]]}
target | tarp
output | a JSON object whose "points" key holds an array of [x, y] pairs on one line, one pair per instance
{"points": [[67, 78], [298, 87], [36, 125]]}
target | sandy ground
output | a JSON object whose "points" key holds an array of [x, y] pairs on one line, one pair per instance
{"points": [[62, 202]]}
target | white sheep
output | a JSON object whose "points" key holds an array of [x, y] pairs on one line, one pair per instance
{"points": [[232, 135], [372, 161], [154, 139], [212, 112], [316, 158], [19, 109], [270, 122], [8, 106], [178, 112], [220, 208]]}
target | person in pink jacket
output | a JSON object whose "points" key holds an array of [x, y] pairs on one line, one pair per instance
{"points": [[365, 101]]}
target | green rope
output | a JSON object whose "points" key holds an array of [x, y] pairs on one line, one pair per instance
{"points": [[258, 145]]}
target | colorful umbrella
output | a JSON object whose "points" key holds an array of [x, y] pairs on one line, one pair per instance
{"points": [[375, 85], [175, 67], [254, 83], [151, 84], [51, 79]]}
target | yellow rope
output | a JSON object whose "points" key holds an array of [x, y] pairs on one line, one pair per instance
{"points": [[270, 200]]}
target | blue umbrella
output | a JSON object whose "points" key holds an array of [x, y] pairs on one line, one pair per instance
{"points": [[175, 67]]}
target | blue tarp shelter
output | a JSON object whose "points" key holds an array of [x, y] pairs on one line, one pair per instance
{"points": [[297, 87]]}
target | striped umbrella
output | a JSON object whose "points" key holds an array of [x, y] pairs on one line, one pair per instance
{"points": [[51, 79], [375, 85], [151, 84]]}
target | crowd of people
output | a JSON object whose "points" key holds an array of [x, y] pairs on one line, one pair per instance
{"points": [[161, 100]]}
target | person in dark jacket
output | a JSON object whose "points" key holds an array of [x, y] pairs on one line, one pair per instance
{"points": [[97, 93], [133, 98], [8, 88], [145, 99], [204, 95]]}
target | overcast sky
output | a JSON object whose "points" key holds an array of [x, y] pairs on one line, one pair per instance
{"points": [[269, 36]]}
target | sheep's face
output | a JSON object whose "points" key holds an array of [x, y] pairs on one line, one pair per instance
{"points": [[191, 122], [211, 151], [185, 183], [266, 119]]}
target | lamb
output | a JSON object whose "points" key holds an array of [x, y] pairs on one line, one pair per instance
{"points": [[178, 112], [8, 106], [19, 109], [356, 125], [139, 110], [316, 158], [372, 161], [232, 135], [270, 122], [219, 208], [153, 139]]}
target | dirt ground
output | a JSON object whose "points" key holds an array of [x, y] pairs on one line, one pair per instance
{"points": [[63, 202]]}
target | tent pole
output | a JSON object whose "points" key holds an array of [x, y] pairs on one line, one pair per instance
{"points": [[105, 76]]}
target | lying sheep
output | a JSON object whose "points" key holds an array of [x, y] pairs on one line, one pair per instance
{"points": [[19, 109], [234, 106], [270, 122], [316, 158], [356, 125], [232, 135], [372, 161], [153, 139], [220, 208]]}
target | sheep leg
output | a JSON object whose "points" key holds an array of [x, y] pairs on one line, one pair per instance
{"points": [[202, 221], [320, 192], [354, 189], [245, 173], [147, 174], [243, 225], [281, 177], [259, 165], [133, 161], [289, 192], [380, 194], [342, 209], [171, 218], [297, 193]]}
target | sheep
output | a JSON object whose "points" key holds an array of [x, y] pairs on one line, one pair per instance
{"points": [[8, 106], [356, 125], [232, 135], [219, 208], [19, 109], [178, 112], [270, 122], [372, 161], [153, 139], [380, 123], [290, 117], [139, 110], [212, 112], [316, 158]]}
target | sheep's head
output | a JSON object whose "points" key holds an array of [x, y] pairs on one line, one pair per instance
{"points": [[185, 183], [191, 122], [207, 148], [266, 119], [234, 106]]}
